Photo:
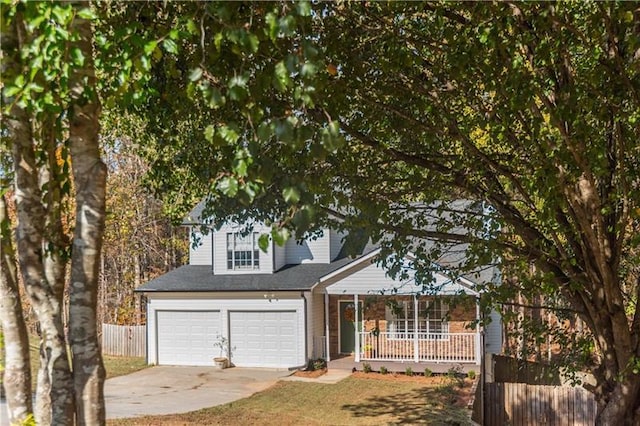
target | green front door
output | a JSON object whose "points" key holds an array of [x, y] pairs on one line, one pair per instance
{"points": [[347, 327]]}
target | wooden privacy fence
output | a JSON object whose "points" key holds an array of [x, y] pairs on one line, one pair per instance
{"points": [[522, 404], [124, 340]]}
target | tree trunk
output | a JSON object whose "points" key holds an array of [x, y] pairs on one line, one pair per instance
{"points": [[89, 174], [623, 406], [17, 373], [54, 399]]}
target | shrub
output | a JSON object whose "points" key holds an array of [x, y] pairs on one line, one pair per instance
{"points": [[408, 371], [428, 372], [366, 367], [319, 364], [383, 370], [471, 374], [455, 374]]}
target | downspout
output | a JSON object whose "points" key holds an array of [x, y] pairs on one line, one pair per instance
{"points": [[326, 326], [306, 329]]}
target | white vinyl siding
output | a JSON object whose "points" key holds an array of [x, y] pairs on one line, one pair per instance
{"points": [[280, 255], [369, 278], [493, 334], [309, 251], [336, 243], [201, 253]]}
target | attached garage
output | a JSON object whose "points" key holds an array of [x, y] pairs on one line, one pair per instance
{"points": [[183, 328], [264, 338], [187, 337]]}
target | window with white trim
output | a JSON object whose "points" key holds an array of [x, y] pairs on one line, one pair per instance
{"points": [[432, 319], [243, 252]]}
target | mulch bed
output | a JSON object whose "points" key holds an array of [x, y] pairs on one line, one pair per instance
{"points": [[310, 374]]}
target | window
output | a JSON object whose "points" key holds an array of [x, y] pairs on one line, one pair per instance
{"points": [[242, 251], [401, 320], [436, 316]]}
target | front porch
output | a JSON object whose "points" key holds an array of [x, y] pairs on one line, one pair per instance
{"points": [[421, 332], [379, 319]]}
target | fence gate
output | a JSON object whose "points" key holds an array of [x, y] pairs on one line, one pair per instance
{"points": [[124, 340], [520, 404]]}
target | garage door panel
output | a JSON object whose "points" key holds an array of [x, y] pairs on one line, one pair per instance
{"points": [[264, 338], [187, 337]]}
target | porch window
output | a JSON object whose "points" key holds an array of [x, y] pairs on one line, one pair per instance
{"points": [[243, 252], [432, 316], [436, 317]]}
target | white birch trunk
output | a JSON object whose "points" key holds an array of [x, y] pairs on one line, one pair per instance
{"points": [[17, 369], [89, 174]]}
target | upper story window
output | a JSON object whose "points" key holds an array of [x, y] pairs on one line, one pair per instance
{"points": [[242, 251]]}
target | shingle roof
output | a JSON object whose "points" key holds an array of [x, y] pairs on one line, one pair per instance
{"points": [[195, 278]]}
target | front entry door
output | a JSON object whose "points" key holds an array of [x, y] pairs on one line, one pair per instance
{"points": [[347, 326]]}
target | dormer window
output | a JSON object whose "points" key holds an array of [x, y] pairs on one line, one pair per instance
{"points": [[242, 251]]}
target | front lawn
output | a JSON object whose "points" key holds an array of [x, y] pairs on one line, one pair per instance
{"points": [[355, 400], [114, 365]]}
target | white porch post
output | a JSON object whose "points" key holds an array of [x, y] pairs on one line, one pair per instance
{"points": [[355, 324], [416, 346], [479, 345], [327, 350]]}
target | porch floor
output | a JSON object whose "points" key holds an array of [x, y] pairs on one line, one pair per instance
{"points": [[347, 362]]}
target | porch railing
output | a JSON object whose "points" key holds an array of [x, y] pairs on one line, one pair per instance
{"points": [[419, 347]]}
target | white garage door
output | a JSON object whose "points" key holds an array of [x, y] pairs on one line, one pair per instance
{"points": [[187, 337], [264, 339]]}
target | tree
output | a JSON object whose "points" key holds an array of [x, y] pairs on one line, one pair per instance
{"points": [[52, 56], [51, 123], [370, 111], [17, 373], [140, 242]]}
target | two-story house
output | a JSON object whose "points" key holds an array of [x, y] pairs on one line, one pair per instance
{"points": [[301, 301]]}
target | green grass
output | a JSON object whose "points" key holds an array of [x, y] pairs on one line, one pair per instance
{"points": [[114, 365], [357, 401]]}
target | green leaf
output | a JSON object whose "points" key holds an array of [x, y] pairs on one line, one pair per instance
{"points": [[228, 134], [240, 167], [192, 28], [303, 8], [150, 47], [216, 100], [263, 242], [10, 91], [209, 131], [217, 40], [309, 69], [77, 56], [87, 13], [228, 186], [170, 45], [282, 79], [195, 74], [291, 195], [280, 235]]}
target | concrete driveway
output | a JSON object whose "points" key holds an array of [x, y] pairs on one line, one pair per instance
{"points": [[168, 390]]}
